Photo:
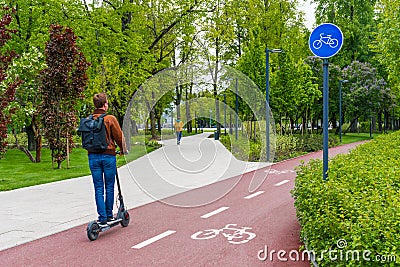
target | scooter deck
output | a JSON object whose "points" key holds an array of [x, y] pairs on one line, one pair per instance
{"points": [[110, 224], [115, 222]]}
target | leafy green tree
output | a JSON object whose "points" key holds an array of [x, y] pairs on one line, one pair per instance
{"points": [[27, 67], [283, 95], [365, 94], [308, 93], [386, 46], [356, 20], [174, 33], [32, 19], [218, 33], [273, 25], [316, 65], [7, 88], [252, 62], [141, 38], [62, 84]]}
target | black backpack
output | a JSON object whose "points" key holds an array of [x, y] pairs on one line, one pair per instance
{"points": [[93, 133]]}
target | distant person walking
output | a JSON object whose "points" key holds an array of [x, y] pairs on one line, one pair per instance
{"points": [[178, 129], [103, 165]]}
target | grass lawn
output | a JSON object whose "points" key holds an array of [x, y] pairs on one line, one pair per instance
{"points": [[17, 171], [355, 137]]}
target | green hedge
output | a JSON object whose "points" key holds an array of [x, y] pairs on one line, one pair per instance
{"points": [[287, 146], [290, 146], [360, 203]]}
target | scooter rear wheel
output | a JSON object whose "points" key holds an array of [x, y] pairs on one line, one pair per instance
{"points": [[125, 219], [93, 230]]}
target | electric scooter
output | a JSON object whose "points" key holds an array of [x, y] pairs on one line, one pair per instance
{"points": [[93, 228]]}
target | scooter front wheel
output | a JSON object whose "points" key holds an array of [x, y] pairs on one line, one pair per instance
{"points": [[93, 230], [125, 219]]}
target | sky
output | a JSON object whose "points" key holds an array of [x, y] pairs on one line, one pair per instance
{"points": [[308, 8]]}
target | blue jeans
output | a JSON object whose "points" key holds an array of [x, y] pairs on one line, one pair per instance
{"points": [[103, 168], [178, 136]]}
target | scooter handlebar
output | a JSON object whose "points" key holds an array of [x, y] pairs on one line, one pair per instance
{"points": [[118, 152]]}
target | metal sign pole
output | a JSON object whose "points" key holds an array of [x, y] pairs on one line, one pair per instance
{"points": [[325, 118], [325, 41]]}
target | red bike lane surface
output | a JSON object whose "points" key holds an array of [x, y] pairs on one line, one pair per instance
{"points": [[163, 235]]}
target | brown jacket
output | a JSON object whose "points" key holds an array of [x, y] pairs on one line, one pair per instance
{"points": [[113, 131]]}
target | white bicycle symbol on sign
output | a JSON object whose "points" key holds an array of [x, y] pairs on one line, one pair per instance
{"points": [[332, 42], [234, 235]]}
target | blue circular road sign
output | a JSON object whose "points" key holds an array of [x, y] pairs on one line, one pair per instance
{"points": [[326, 40]]}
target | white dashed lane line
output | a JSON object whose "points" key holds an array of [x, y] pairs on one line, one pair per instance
{"points": [[154, 239], [208, 215], [281, 183], [254, 195], [273, 171]]}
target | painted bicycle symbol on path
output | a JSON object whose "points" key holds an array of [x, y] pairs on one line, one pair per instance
{"points": [[328, 40], [233, 235]]}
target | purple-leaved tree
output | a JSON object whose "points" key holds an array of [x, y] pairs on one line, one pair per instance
{"points": [[7, 89], [62, 86]]}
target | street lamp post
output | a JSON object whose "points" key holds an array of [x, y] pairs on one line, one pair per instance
{"points": [[195, 121], [210, 118], [172, 121], [267, 51], [340, 108], [230, 123], [392, 119], [370, 124], [237, 108], [224, 112]]}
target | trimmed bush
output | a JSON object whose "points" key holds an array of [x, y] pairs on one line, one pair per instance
{"points": [[359, 203], [287, 146]]}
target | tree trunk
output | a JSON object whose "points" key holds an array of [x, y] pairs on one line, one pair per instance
{"points": [[255, 132], [23, 149], [38, 138], [151, 110], [38, 148], [31, 138], [251, 128], [153, 125], [134, 128], [380, 128], [291, 122], [353, 125], [334, 122], [188, 117], [67, 150], [373, 122], [159, 124]]}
